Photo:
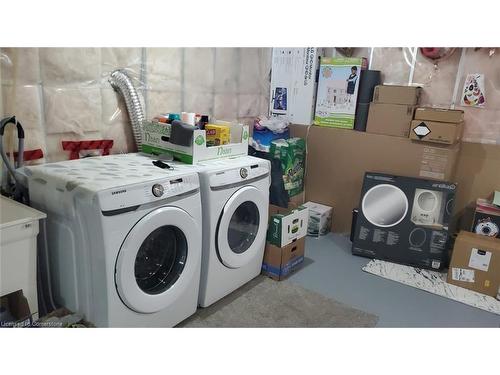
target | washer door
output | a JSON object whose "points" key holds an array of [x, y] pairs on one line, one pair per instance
{"points": [[242, 227], [157, 260]]}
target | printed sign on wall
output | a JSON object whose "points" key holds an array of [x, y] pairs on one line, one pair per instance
{"points": [[473, 93]]}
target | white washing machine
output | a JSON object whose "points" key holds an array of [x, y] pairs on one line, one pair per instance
{"points": [[235, 197], [123, 238]]}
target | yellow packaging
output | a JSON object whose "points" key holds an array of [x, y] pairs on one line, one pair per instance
{"points": [[217, 134]]}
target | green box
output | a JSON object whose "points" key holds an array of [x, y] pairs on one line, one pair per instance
{"points": [[292, 153], [284, 228]]}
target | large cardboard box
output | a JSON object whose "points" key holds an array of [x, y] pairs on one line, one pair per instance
{"points": [[390, 119], [394, 94], [475, 263], [447, 133], [404, 220], [293, 83], [338, 85], [280, 262], [284, 227], [439, 114], [337, 160]]}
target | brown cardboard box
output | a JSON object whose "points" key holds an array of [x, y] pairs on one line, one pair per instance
{"points": [[390, 119], [439, 114], [393, 94], [475, 263], [280, 262], [296, 200], [337, 160], [447, 133]]}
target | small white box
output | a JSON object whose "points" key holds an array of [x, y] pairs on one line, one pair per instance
{"points": [[293, 83], [320, 219]]}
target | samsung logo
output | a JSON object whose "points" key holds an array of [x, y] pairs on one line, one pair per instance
{"points": [[118, 191]]}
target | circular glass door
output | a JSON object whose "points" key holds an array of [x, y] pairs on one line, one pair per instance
{"points": [[384, 205], [242, 227], [158, 259]]}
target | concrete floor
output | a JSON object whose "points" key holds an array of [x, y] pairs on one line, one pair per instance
{"points": [[331, 269]]}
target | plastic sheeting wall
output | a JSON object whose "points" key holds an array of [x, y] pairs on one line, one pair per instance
{"points": [[63, 93]]}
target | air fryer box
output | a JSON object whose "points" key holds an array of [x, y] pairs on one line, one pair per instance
{"points": [[286, 226], [404, 220]]}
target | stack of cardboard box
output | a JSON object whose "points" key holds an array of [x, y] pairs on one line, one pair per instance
{"points": [[391, 111], [284, 253]]}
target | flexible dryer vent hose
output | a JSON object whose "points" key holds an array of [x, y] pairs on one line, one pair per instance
{"points": [[122, 83]]}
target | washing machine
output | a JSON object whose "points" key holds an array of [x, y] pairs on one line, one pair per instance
{"points": [[122, 238], [235, 197]]}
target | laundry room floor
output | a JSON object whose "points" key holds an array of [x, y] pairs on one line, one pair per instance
{"points": [[330, 269]]}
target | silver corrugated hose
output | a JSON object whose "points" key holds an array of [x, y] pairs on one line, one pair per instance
{"points": [[122, 83]]}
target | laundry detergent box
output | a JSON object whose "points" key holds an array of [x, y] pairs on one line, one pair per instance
{"points": [[280, 262], [404, 220], [292, 154], [287, 226], [337, 95], [475, 263], [320, 219]]}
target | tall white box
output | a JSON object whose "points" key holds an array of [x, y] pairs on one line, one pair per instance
{"points": [[293, 83]]}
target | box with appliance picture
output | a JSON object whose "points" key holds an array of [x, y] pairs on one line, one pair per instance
{"points": [[475, 263], [280, 262], [286, 226], [320, 219], [197, 145], [338, 85], [487, 216], [404, 220], [293, 83]]}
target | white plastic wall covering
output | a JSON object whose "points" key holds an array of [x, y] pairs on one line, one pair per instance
{"points": [[458, 77], [143, 78], [183, 72], [413, 52]]}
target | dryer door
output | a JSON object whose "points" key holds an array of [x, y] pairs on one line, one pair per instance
{"points": [[158, 260], [242, 227]]}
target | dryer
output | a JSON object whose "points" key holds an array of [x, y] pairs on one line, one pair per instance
{"points": [[235, 197], [122, 238]]}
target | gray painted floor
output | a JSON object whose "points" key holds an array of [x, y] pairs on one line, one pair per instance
{"points": [[331, 269]]}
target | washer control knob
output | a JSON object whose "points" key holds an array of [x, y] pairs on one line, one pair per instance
{"points": [[157, 190], [243, 172]]}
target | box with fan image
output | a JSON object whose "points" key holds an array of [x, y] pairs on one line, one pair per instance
{"points": [[404, 220], [337, 95]]}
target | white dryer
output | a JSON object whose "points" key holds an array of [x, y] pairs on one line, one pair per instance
{"points": [[235, 197], [123, 238]]}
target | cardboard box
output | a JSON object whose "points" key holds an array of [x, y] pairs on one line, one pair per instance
{"points": [[293, 83], [404, 220], [447, 133], [390, 119], [439, 114], [486, 218], [338, 86], [280, 262], [284, 227], [337, 160], [320, 219], [475, 263], [393, 94]]}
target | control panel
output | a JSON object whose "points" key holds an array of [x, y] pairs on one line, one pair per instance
{"points": [[237, 175]]}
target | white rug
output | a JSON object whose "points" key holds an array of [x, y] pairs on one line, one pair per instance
{"points": [[433, 282]]}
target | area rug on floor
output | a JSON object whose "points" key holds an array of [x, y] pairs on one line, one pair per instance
{"points": [[267, 303], [433, 282]]}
